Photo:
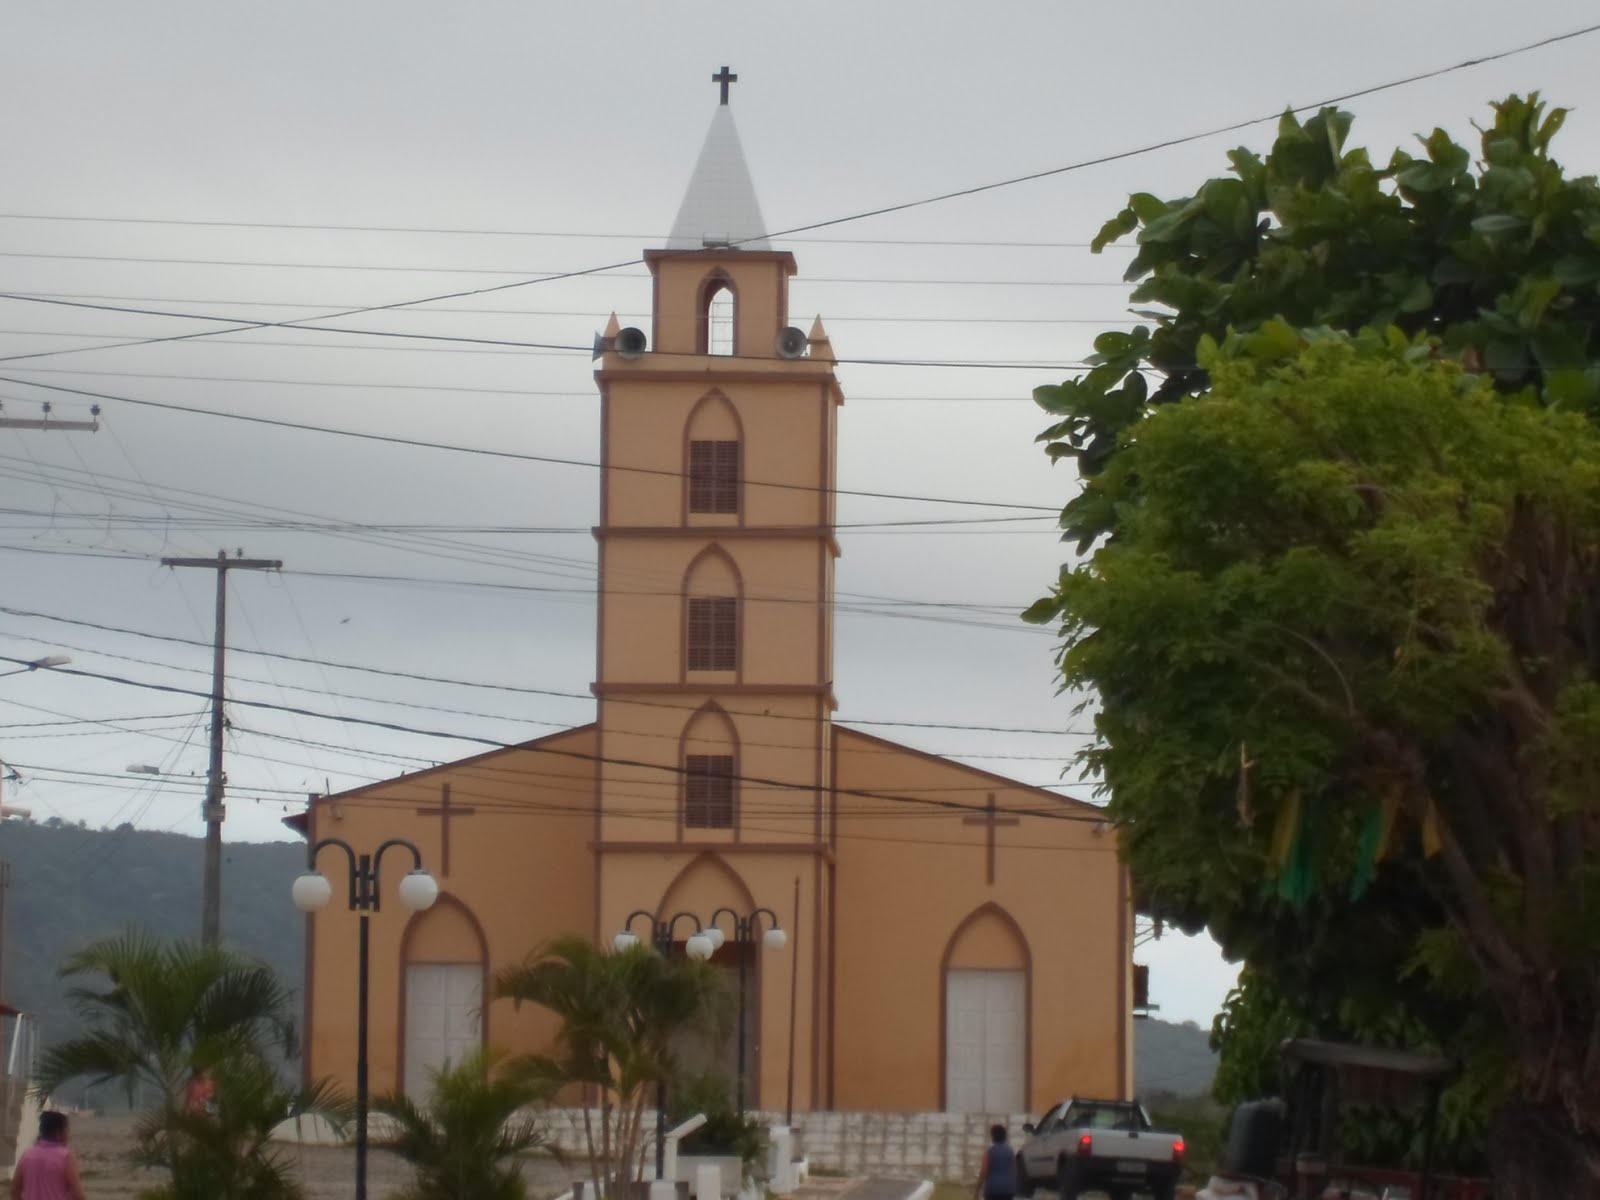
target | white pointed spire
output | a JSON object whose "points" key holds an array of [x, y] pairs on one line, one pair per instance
{"points": [[720, 208]]}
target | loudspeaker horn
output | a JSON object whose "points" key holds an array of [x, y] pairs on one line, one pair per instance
{"points": [[600, 346], [793, 343], [630, 342]]}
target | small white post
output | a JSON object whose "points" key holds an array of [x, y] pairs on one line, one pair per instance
{"points": [[780, 1160], [708, 1181]]}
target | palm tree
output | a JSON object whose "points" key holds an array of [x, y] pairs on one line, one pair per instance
{"points": [[225, 1149], [207, 1029], [473, 1122], [162, 1013], [621, 1015]]}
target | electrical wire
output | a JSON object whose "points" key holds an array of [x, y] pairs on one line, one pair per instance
{"points": [[610, 760], [905, 206], [514, 688], [513, 455]]}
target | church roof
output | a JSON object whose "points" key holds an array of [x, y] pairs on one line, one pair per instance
{"points": [[720, 207]]}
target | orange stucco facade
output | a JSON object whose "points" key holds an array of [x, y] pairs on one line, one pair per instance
{"points": [[921, 897]]}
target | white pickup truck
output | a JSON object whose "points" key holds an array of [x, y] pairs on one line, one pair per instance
{"points": [[1099, 1146]]}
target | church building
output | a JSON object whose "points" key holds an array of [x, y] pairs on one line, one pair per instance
{"points": [[954, 940]]}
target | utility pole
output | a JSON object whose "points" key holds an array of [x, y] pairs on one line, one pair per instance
{"points": [[5, 886], [211, 884]]}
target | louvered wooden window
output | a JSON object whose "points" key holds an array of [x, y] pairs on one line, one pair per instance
{"points": [[708, 791], [713, 633], [714, 477]]}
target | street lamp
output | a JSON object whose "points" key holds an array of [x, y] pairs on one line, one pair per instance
{"points": [[745, 930], [311, 893], [48, 661], [699, 946]]}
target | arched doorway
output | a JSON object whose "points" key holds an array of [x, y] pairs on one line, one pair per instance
{"points": [[987, 973], [444, 967]]}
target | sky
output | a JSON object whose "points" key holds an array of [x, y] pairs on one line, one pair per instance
{"points": [[216, 166]]}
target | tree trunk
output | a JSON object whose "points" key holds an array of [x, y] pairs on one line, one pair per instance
{"points": [[1537, 1151]]}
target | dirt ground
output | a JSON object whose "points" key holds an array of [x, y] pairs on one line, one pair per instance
{"points": [[328, 1172]]}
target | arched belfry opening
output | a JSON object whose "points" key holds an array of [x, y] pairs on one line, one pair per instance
{"points": [[718, 316]]}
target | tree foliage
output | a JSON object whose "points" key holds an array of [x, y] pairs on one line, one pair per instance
{"points": [[465, 1140], [622, 1017], [1342, 617], [162, 1011], [206, 1030]]}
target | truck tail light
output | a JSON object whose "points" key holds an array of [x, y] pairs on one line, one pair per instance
{"points": [[1085, 1145], [1177, 1150]]}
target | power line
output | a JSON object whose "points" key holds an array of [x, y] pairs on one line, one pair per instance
{"points": [[904, 206], [465, 389], [488, 452], [543, 273], [569, 348], [834, 318], [504, 687], [620, 237], [516, 718], [665, 768]]}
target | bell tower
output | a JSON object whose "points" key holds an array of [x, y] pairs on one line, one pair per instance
{"points": [[714, 670]]}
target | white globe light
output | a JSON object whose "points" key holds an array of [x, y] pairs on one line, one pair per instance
{"points": [[418, 890], [775, 939], [717, 937], [311, 891], [624, 941], [699, 947]]}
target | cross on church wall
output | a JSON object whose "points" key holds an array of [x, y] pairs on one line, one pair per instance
{"points": [[991, 817], [724, 78], [444, 810]]}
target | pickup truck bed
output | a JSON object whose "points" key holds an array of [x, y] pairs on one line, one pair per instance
{"points": [[1099, 1145]]}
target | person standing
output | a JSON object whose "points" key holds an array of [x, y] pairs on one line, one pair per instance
{"points": [[47, 1170], [997, 1177]]}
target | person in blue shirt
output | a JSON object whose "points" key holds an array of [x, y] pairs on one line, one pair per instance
{"points": [[997, 1177]]}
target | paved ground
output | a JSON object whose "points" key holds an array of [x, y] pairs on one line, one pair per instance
{"points": [[328, 1172], [875, 1187]]}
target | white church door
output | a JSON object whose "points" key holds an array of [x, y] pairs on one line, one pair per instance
{"points": [[444, 1005], [985, 1035]]}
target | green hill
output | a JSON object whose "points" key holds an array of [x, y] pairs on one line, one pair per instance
{"points": [[71, 886], [1172, 1059]]}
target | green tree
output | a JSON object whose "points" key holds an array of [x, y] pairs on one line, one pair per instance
{"points": [[1342, 629], [206, 1030], [622, 1017], [464, 1142], [225, 1148]]}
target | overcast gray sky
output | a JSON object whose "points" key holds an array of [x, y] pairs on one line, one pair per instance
{"points": [[294, 160]]}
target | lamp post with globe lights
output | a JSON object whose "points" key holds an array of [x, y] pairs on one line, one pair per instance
{"points": [[746, 931], [311, 893], [699, 946]]}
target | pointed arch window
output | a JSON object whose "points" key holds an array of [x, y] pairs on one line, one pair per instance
{"points": [[709, 750]]}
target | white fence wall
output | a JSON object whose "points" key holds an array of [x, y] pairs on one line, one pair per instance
{"points": [[907, 1145]]}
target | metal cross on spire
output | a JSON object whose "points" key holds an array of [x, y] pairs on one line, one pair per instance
{"points": [[724, 78]]}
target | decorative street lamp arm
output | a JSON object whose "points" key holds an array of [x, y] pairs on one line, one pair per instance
{"points": [[738, 922], [772, 919], [349, 853], [666, 930], [377, 855]]}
